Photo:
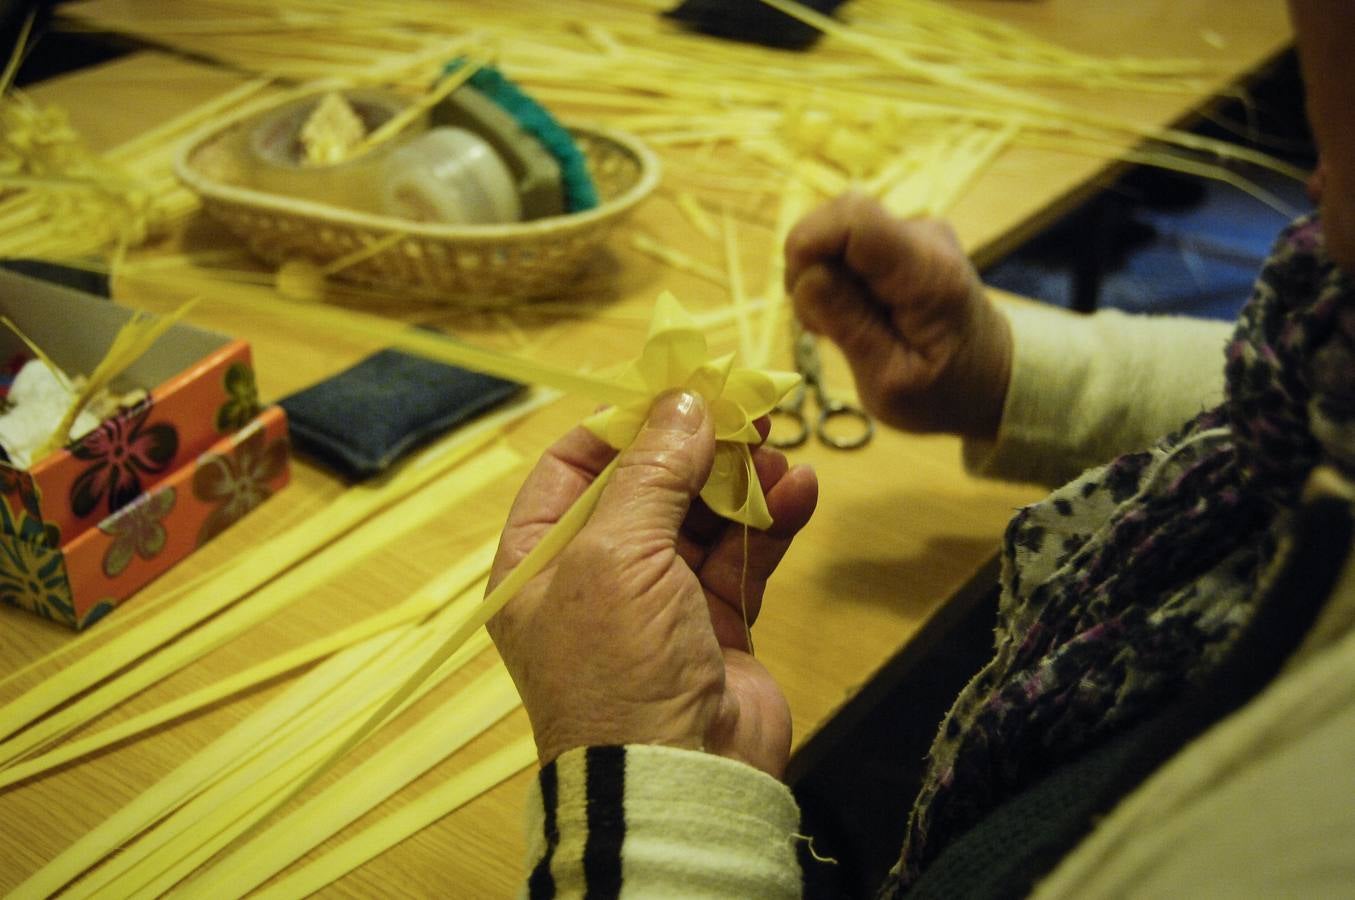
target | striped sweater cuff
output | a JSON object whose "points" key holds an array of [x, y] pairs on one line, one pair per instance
{"points": [[659, 822]]}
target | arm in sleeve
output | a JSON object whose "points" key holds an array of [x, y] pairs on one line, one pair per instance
{"points": [[649, 821], [1085, 389]]}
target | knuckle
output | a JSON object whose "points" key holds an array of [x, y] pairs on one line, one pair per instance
{"points": [[888, 383], [799, 238], [589, 553], [858, 332], [664, 468], [858, 205]]}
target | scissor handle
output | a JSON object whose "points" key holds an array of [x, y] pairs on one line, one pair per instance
{"points": [[831, 409], [790, 413]]}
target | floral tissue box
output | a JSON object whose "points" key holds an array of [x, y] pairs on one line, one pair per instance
{"points": [[87, 526]]}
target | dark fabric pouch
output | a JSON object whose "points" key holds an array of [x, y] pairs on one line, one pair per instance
{"points": [[368, 416], [751, 21]]}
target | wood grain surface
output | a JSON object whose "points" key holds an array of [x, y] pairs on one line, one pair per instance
{"points": [[899, 529]]}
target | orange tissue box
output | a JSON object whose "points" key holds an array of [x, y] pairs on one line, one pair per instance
{"points": [[87, 526]]}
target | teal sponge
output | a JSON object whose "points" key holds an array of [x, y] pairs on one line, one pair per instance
{"points": [[579, 191]]}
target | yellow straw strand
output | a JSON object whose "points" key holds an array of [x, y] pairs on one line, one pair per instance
{"points": [[405, 822], [271, 559], [551, 543], [350, 550], [415, 607], [671, 256], [17, 55], [149, 806], [231, 806], [128, 345], [344, 514], [736, 290], [351, 259], [691, 208], [37, 351], [437, 736], [268, 748], [330, 320], [405, 117]]}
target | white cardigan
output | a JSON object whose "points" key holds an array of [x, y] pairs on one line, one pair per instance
{"points": [[1263, 804], [1085, 389]]}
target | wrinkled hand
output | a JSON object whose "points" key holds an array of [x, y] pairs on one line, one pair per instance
{"points": [[927, 348], [634, 634]]}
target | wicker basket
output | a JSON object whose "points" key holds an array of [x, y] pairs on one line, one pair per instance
{"points": [[485, 263]]}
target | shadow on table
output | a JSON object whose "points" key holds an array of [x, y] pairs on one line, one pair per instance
{"points": [[921, 576]]}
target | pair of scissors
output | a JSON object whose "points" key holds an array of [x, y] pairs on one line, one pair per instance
{"points": [[792, 409]]}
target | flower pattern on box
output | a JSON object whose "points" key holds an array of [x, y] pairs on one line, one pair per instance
{"points": [[242, 403], [121, 451], [32, 571], [20, 484], [97, 612], [137, 531], [236, 483]]}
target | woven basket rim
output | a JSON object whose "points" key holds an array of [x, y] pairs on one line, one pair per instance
{"points": [[212, 189]]}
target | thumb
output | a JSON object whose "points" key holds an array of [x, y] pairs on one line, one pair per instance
{"points": [[661, 471]]}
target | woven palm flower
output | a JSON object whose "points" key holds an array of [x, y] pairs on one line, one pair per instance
{"points": [[675, 356], [86, 204]]}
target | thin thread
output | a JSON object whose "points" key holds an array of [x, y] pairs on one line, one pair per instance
{"points": [[1160, 466], [808, 841], [743, 593]]}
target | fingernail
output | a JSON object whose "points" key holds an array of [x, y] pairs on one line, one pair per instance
{"points": [[679, 411]]}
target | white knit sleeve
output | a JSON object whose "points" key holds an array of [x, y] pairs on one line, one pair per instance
{"points": [[1085, 389], [647, 821]]}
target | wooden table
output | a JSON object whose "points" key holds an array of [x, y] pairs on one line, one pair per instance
{"points": [[899, 531]]}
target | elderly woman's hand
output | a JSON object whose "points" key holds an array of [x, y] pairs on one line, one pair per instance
{"points": [[928, 349], [635, 632]]}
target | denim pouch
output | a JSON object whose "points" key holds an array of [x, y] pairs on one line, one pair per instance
{"points": [[365, 418]]}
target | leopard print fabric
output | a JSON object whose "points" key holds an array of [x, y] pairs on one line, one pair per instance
{"points": [[1125, 584]]}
